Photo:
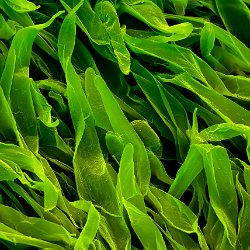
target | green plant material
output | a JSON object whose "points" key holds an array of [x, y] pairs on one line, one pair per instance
{"points": [[181, 60], [182, 218], [84, 124], [124, 124], [157, 168], [237, 85], [185, 176], [243, 240], [112, 26], [22, 6], [127, 187], [180, 6], [173, 33], [35, 227], [15, 81], [91, 172], [146, 11], [238, 19], [225, 131], [148, 136], [6, 31], [223, 196], [168, 108], [27, 161], [12, 235], [90, 229], [144, 227], [220, 104], [89, 22]]}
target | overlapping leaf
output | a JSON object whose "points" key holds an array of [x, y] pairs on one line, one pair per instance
{"points": [[96, 146]]}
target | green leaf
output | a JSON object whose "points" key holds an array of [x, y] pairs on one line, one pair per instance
{"points": [[28, 161], [127, 187], [148, 136], [225, 131], [235, 15], [108, 16], [221, 188], [207, 39], [180, 6], [145, 228], [88, 21], [228, 110], [16, 237], [180, 59], [6, 31], [93, 180], [243, 240], [181, 217], [90, 228], [36, 227], [169, 109], [121, 125], [22, 6], [87, 155], [147, 12]]}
